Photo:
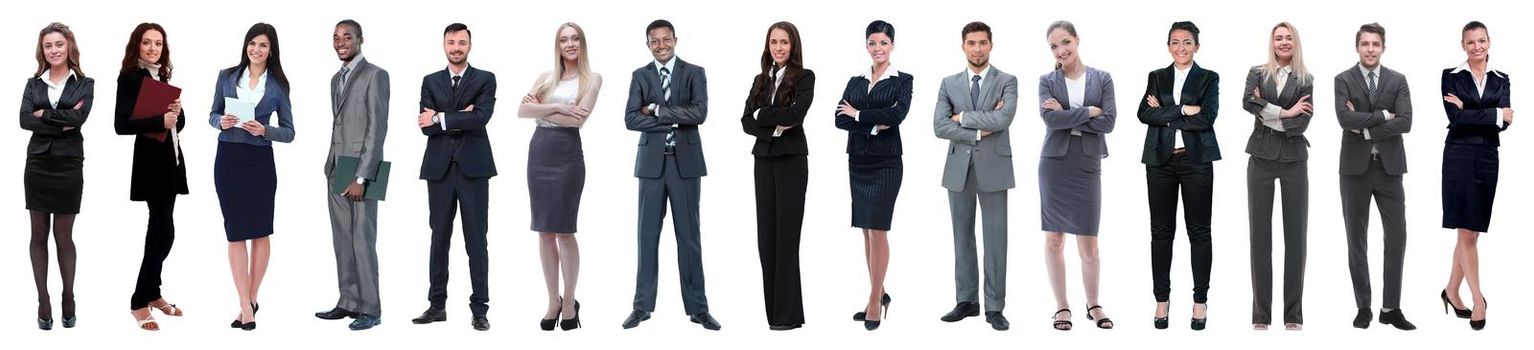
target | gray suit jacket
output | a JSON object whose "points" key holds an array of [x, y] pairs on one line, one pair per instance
{"points": [[1099, 93], [1266, 143], [360, 109], [992, 155], [1368, 114], [687, 108]]}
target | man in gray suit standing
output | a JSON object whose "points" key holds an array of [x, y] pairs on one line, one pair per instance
{"points": [[668, 99], [359, 101], [974, 109], [1374, 108]]}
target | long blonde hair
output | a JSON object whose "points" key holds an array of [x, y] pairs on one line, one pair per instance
{"points": [[1297, 62], [583, 69]]}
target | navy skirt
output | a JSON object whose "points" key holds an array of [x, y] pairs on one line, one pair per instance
{"points": [[556, 174], [1469, 186], [245, 177], [875, 184]]}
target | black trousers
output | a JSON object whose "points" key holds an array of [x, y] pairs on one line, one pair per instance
{"points": [[157, 242], [444, 197], [1196, 182], [780, 186]]}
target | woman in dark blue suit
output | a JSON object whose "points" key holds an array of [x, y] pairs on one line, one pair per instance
{"points": [[872, 107], [1476, 100], [244, 171], [54, 106]]}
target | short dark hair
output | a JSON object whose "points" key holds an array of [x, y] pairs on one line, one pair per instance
{"points": [[1183, 25], [660, 23], [880, 26], [457, 27], [356, 27], [1473, 25], [976, 26], [1375, 28]]}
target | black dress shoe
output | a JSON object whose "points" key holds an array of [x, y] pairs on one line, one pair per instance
{"points": [[635, 318], [784, 327], [430, 315], [364, 321], [335, 314], [708, 321], [962, 310], [1362, 320], [573, 322], [1397, 319], [997, 321], [481, 323]]}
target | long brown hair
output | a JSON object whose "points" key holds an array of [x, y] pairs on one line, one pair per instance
{"points": [[131, 54], [73, 61], [791, 72]]}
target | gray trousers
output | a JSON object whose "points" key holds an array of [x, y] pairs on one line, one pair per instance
{"points": [[683, 194], [354, 233], [1293, 179], [1357, 190], [966, 270]]}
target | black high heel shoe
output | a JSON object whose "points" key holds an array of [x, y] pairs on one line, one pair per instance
{"points": [[1479, 325], [43, 324], [1449, 305], [1199, 324], [572, 323], [1164, 322], [548, 324], [884, 301], [884, 307], [69, 322]]}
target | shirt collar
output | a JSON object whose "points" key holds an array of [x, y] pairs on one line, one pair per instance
{"points": [[1489, 68], [983, 72], [669, 66], [1365, 71], [351, 66], [459, 74], [46, 78], [889, 72]]}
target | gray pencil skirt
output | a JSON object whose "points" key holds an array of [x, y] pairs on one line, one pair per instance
{"points": [[1070, 191]]}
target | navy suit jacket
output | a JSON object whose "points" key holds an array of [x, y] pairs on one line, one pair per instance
{"points": [[687, 108], [274, 100], [464, 140], [1476, 124]]}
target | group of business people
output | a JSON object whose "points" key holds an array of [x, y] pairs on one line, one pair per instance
{"points": [[667, 102]]}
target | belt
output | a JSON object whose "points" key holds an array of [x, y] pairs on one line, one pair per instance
{"points": [[1179, 150], [670, 150]]}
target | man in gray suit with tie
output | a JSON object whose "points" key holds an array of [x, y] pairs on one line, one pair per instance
{"points": [[1374, 108], [668, 99], [359, 101], [974, 109]]}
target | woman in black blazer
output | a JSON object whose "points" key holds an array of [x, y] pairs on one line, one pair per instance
{"points": [[780, 96], [159, 170], [54, 106], [871, 109], [1477, 101]]}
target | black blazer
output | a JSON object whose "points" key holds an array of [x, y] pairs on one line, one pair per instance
{"points": [[48, 134], [762, 116], [886, 105], [1202, 88], [687, 108], [465, 140], [1476, 124], [157, 171], [1289, 145]]}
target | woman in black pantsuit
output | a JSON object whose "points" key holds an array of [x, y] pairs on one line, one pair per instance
{"points": [[54, 106], [871, 109], [780, 97], [1477, 102], [159, 170]]}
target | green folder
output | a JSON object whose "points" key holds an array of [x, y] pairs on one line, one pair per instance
{"points": [[345, 173]]}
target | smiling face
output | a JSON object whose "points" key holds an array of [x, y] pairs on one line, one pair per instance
{"points": [[456, 45], [880, 47], [55, 50], [151, 45], [258, 49], [779, 46], [1063, 45], [1182, 47], [977, 49], [1476, 42], [570, 44], [1370, 47], [1283, 44], [346, 42], [661, 42]]}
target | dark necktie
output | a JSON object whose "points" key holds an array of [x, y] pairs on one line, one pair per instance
{"points": [[974, 91], [665, 92], [1373, 87], [455, 83], [772, 92]]}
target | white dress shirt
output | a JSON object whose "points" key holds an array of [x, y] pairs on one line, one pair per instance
{"points": [[1480, 84], [1179, 77], [1076, 95], [889, 72], [1272, 115]]}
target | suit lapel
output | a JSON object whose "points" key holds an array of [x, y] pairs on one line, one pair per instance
{"points": [[1285, 96], [1060, 87], [350, 81], [71, 87], [1164, 84], [1191, 86], [987, 88]]}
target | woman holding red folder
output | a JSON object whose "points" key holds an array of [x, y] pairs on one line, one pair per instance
{"points": [[159, 172]]}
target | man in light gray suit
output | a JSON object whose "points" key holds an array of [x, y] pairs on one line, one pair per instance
{"points": [[1374, 108], [359, 101], [974, 109]]}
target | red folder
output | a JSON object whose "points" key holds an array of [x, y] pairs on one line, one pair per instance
{"points": [[154, 99]]}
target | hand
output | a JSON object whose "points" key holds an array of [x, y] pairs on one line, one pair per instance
{"points": [[845, 109], [646, 111], [171, 118], [1152, 101], [37, 113], [175, 106], [1052, 105], [781, 128], [1190, 110], [1507, 116], [353, 192], [79, 105], [1450, 98], [881, 127], [425, 119], [253, 127], [1257, 92], [1094, 112], [999, 105], [1350, 107], [984, 133], [530, 99], [954, 118], [227, 121], [470, 108], [1301, 107]]}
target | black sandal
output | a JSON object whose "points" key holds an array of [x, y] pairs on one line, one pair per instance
{"points": [[1104, 322], [1062, 325]]}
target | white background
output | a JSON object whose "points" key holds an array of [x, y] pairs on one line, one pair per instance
{"points": [[514, 40]]}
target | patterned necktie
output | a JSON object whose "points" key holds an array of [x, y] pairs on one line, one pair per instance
{"points": [[974, 91], [665, 92], [340, 83], [1372, 86]]}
